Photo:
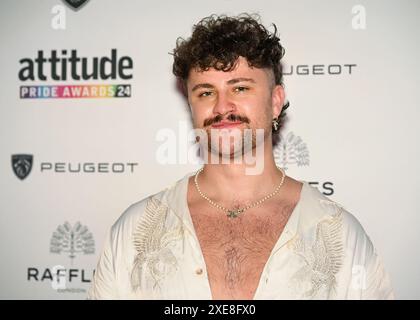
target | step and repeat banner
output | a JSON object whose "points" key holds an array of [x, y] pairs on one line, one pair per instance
{"points": [[91, 121]]}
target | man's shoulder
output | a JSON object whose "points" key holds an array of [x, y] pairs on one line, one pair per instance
{"points": [[328, 216], [322, 208]]}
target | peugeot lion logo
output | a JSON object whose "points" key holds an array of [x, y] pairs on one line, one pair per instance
{"points": [[22, 165], [72, 240]]}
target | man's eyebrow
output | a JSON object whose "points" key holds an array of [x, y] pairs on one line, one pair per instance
{"points": [[202, 85], [236, 80], [231, 81]]}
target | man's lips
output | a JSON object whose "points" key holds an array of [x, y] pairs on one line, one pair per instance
{"points": [[226, 124]]}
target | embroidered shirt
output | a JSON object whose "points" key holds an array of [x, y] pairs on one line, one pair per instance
{"points": [[152, 252]]}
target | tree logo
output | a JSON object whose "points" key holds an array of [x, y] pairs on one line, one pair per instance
{"points": [[72, 240], [291, 150]]}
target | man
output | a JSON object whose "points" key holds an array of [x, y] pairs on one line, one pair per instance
{"points": [[227, 232]]}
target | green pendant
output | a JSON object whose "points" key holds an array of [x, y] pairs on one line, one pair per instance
{"points": [[234, 213]]}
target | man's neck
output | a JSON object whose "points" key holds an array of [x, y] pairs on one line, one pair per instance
{"points": [[223, 182]]}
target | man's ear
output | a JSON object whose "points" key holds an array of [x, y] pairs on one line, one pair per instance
{"points": [[277, 100]]}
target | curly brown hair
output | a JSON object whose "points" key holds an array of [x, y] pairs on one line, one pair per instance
{"points": [[217, 42]]}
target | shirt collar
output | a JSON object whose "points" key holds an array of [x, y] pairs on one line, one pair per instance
{"points": [[306, 214], [176, 199]]}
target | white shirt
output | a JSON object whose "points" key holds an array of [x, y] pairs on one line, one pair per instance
{"points": [[152, 252]]}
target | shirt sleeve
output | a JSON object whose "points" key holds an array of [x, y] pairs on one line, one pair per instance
{"points": [[378, 284], [103, 284]]}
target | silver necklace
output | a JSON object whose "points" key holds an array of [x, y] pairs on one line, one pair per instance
{"points": [[233, 213]]}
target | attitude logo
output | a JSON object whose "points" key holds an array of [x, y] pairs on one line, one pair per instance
{"points": [[22, 165], [291, 150], [65, 65], [72, 240]]}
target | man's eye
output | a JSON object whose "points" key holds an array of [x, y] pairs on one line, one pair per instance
{"points": [[205, 94], [241, 89]]}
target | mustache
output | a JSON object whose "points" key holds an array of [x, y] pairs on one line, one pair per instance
{"points": [[231, 117]]}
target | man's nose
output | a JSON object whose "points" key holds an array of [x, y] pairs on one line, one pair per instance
{"points": [[224, 104]]}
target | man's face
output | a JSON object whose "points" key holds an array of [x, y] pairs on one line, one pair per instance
{"points": [[226, 103]]}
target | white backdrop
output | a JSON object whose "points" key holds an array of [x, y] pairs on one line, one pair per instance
{"points": [[354, 127]]}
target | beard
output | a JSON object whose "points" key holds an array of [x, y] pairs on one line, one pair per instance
{"points": [[230, 144]]}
